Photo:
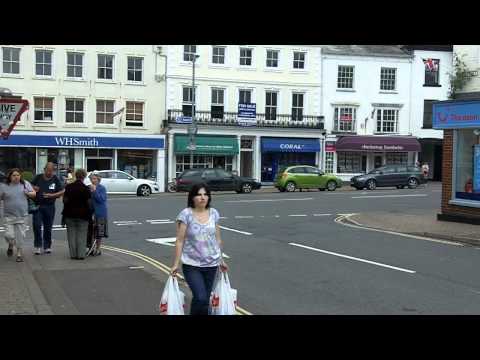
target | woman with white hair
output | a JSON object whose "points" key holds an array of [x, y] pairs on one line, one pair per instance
{"points": [[100, 222]]}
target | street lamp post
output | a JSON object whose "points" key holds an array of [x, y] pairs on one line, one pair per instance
{"points": [[193, 128]]}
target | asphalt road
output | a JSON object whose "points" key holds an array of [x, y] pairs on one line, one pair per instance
{"points": [[287, 255]]}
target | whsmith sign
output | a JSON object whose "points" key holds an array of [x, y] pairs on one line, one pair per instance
{"points": [[456, 114], [65, 141]]}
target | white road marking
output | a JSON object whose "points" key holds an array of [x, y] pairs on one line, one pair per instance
{"points": [[161, 222], [360, 226], [244, 217], [135, 267], [298, 215], [237, 231], [158, 220], [59, 229], [223, 217], [163, 241], [387, 196], [266, 200], [354, 258], [322, 214], [126, 224], [125, 221]]}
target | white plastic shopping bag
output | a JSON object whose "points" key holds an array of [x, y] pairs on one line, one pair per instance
{"points": [[173, 300], [223, 300]]}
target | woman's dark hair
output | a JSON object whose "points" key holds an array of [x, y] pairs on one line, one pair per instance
{"points": [[194, 192], [9, 175]]}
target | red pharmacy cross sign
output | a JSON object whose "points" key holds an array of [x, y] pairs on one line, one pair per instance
{"points": [[10, 112]]}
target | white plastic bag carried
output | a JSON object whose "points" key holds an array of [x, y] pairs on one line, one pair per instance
{"points": [[173, 300], [223, 300]]}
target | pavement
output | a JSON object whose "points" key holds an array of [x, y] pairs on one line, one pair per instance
{"points": [[422, 223], [54, 284]]}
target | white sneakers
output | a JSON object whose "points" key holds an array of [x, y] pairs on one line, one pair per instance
{"points": [[38, 251], [48, 251]]}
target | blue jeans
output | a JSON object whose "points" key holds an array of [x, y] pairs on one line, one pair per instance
{"points": [[45, 215], [200, 280]]}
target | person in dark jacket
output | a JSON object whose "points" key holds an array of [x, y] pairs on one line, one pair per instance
{"points": [[100, 222], [77, 212]]}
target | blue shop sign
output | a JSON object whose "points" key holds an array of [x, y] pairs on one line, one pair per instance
{"points": [[476, 169], [456, 114], [290, 145], [82, 141]]}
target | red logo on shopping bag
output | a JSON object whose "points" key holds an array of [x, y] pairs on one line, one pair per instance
{"points": [[163, 307], [215, 300]]}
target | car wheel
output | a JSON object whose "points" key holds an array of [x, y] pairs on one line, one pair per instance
{"points": [[321, 189], [281, 189], [247, 188], [144, 190], [412, 183], [331, 185], [371, 184], [400, 186], [290, 187]]}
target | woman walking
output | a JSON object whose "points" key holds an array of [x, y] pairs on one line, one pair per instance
{"points": [[199, 247], [77, 211], [15, 193], [100, 222]]}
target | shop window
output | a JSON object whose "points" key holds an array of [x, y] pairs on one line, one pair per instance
{"points": [[349, 162], [105, 112], [138, 163], [22, 158], [74, 111], [345, 119], [467, 165], [400, 158], [203, 161], [329, 161], [43, 111], [134, 114], [98, 152]]}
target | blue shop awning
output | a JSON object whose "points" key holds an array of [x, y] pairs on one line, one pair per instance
{"points": [[290, 145]]}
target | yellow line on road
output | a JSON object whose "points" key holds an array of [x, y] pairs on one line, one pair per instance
{"points": [[162, 267]]}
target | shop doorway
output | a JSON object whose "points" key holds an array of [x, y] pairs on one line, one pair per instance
{"points": [[437, 163], [272, 162], [246, 163], [99, 164]]}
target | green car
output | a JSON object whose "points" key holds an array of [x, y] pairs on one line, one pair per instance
{"points": [[305, 177]]}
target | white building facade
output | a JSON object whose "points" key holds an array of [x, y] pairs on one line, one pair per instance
{"points": [[282, 81], [366, 103], [93, 107]]}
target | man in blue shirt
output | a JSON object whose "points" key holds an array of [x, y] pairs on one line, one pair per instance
{"points": [[48, 187]]}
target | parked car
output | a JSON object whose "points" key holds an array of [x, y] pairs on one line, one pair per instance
{"points": [[216, 180], [389, 175], [119, 182], [301, 177]]}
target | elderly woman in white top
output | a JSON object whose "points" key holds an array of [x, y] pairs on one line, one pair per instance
{"points": [[15, 193]]}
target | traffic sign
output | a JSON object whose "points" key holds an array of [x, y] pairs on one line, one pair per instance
{"points": [[10, 111]]}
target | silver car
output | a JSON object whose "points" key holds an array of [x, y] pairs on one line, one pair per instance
{"points": [[119, 182]]}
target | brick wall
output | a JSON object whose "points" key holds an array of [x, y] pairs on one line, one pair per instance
{"points": [[447, 174]]}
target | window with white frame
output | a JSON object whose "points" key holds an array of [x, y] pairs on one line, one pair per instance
{"points": [[134, 114], [74, 65], [297, 106], [105, 67], [298, 60], [74, 111], [345, 77], [387, 120], [272, 58], [246, 56], [271, 105], [345, 119], [105, 112], [43, 62], [244, 96], [217, 103], [135, 68], [43, 109], [187, 100], [329, 162], [11, 60], [388, 78], [218, 54], [189, 52]]}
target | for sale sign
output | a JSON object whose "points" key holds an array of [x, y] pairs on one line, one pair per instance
{"points": [[10, 112], [247, 114]]}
